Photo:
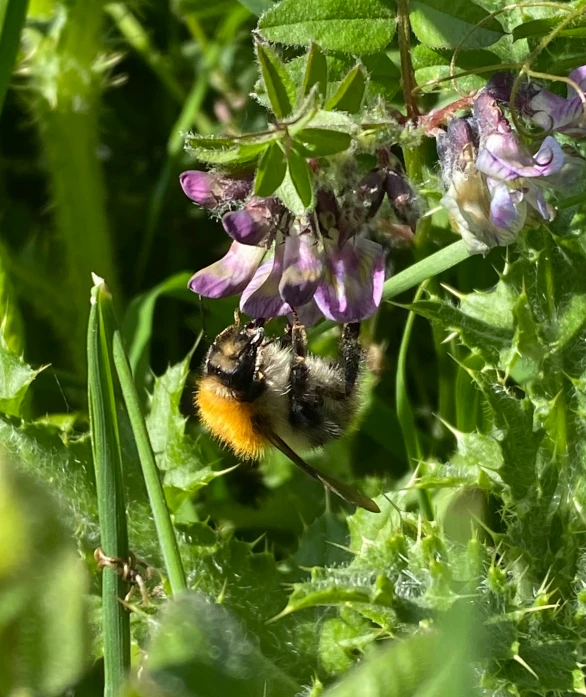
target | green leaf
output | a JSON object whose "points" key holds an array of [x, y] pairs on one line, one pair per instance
{"points": [[322, 542], [487, 338], [301, 178], [270, 171], [319, 142], [350, 93], [336, 25], [44, 636], [199, 645], [432, 64], [165, 531], [108, 467], [316, 71], [165, 422], [228, 151], [542, 27], [12, 325], [438, 24], [15, 379], [138, 322], [278, 84]]}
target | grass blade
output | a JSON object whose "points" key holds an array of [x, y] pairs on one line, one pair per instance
{"points": [[404, 411], [163, 523], [12, 16], [111, 504]]}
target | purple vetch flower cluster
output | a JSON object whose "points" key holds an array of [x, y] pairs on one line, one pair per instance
{"points": [[566, 115], [322, 264], [494, 183]]}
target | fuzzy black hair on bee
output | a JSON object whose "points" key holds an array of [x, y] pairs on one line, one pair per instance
{"points": [[256, 392]]}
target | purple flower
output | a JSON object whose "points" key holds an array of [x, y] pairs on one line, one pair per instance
{"points": [[280, 264], [491, 179], [548, 110], [566, 115], [212, 190]]}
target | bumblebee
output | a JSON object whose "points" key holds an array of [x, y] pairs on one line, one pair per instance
{"points": [[257, 391]]}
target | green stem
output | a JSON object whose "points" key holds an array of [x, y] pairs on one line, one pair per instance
{"points": [[165, 531], [426, 268], [68, 123], [111, 501], [407, 72], [405, 413], [12, 16]]}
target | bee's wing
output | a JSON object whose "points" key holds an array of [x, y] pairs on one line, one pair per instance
{"points": [[342, 490]]}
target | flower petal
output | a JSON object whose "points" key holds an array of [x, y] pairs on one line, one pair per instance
{"points": [[211, 190], [503, 158], [352, 286], [303, 269], [261, 297], [535, 198], [229, 275], [579, 77], [503, 211], [257, 221], [468, 203], [553, 111]]}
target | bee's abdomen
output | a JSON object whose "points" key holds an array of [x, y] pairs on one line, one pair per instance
{"points": [[229, 420]]}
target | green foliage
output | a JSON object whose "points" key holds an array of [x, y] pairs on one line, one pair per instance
{"points": [[200, 649], [438, 25], [361, 27], [472, 579], [44, 633]]}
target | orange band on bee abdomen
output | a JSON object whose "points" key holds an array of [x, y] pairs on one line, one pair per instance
{"points": [[230, 421]]}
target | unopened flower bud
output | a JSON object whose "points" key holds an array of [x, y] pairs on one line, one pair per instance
{"points": [[370, 192], [402, 198], [456, 148], [256, 222], [212, 190], [327, 210], [362, 203]]}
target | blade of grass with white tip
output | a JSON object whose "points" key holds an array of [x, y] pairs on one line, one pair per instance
{"points": [[404, 411], [165, 531], [108, 468]]}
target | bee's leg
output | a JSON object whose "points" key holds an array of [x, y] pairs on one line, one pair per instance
{"points": [[303, 402], [351, 355]]}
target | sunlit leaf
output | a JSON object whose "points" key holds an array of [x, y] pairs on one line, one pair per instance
{"points": [[440, 25], [301, 177], [316, 71], [319, 142], [278, 84], [350, 93], [336, 25], [15, 378], [270, 171]]}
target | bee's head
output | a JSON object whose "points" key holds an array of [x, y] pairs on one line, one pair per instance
{"points": [[232, 358]]}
